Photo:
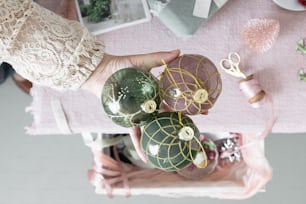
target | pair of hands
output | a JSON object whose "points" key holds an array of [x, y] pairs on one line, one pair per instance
{"points": [[110, 64]]}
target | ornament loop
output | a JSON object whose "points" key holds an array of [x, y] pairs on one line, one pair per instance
{"points": [[186, 133]]}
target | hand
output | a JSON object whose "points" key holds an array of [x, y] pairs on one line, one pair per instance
{"points": [[111, 64]]}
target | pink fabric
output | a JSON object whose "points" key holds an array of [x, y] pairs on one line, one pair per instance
{"points": [[276, 70]]}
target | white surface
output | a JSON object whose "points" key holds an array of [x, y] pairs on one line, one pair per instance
{"points": [[292, 5], [52, 169]]}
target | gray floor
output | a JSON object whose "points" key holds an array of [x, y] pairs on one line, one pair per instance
{"points": [[52, 169]]}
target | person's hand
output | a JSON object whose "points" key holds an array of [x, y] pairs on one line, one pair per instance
{"points": [[111, 64]]}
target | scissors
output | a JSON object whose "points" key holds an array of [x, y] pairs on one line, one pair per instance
{"points": [[231, 65]]}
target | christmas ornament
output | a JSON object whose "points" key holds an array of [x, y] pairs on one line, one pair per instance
{"points": [[130, 97], [260, 34], [192, 171], [229, 149], [190, 84], [170, 142]]}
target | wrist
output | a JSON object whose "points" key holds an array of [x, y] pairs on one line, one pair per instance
{"points": [[96, 80]]}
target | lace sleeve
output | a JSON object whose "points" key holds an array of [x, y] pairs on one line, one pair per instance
{"points": [[46, 48]]}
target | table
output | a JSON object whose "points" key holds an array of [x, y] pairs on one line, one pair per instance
{"points": [[276, 70]]}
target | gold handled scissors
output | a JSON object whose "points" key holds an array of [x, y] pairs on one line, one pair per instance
{"points": [[231, 65]]}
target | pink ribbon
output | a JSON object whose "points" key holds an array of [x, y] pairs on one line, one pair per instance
{"points": [[251, 88], [107, 172]]}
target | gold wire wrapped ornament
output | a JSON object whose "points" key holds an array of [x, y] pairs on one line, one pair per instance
{"points": [[171, 142], [190, 84]]}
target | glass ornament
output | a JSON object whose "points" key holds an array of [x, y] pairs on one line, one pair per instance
{"points": [[130, 97], [170, 142], [193, 171], [190, 84]]}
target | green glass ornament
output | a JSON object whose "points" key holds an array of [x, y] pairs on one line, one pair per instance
{"points": [[170, 141], [130, 97]]}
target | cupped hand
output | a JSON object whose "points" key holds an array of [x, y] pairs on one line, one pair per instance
{"points": [[110, 64]]}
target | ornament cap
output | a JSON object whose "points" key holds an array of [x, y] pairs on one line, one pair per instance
{"points": [[186, 133], [200, 160], [149, 106], [200, 96]]}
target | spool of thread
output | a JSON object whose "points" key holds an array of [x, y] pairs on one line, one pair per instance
{"points": [[252, 90]]}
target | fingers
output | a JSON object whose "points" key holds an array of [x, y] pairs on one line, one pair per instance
{"points": [[135, 135], [148, 61]]}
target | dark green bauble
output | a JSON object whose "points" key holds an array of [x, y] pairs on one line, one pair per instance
{"points": [[170, 141], [130, 97]]}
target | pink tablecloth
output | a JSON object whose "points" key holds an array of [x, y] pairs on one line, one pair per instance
{"points": [[276, 70]]}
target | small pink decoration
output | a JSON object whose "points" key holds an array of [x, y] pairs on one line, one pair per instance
{"points": [[260, 34]]}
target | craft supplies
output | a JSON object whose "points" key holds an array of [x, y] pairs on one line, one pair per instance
{"points": [[251, 89], [249, 86]]}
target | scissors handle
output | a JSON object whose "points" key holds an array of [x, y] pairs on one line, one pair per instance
{"points": [[231, 65], [234, 57], [226, 64]]}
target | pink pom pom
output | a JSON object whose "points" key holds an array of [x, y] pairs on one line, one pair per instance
{"points": [[260, 34]]}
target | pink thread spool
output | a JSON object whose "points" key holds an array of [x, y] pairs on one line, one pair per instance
{"points": [[252, 90]]}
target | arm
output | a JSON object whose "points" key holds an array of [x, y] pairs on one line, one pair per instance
{"points": [[46, 48], [52, 51]]}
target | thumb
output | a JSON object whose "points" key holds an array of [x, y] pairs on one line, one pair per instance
{"points": [[150, 60], [135, 135]]}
